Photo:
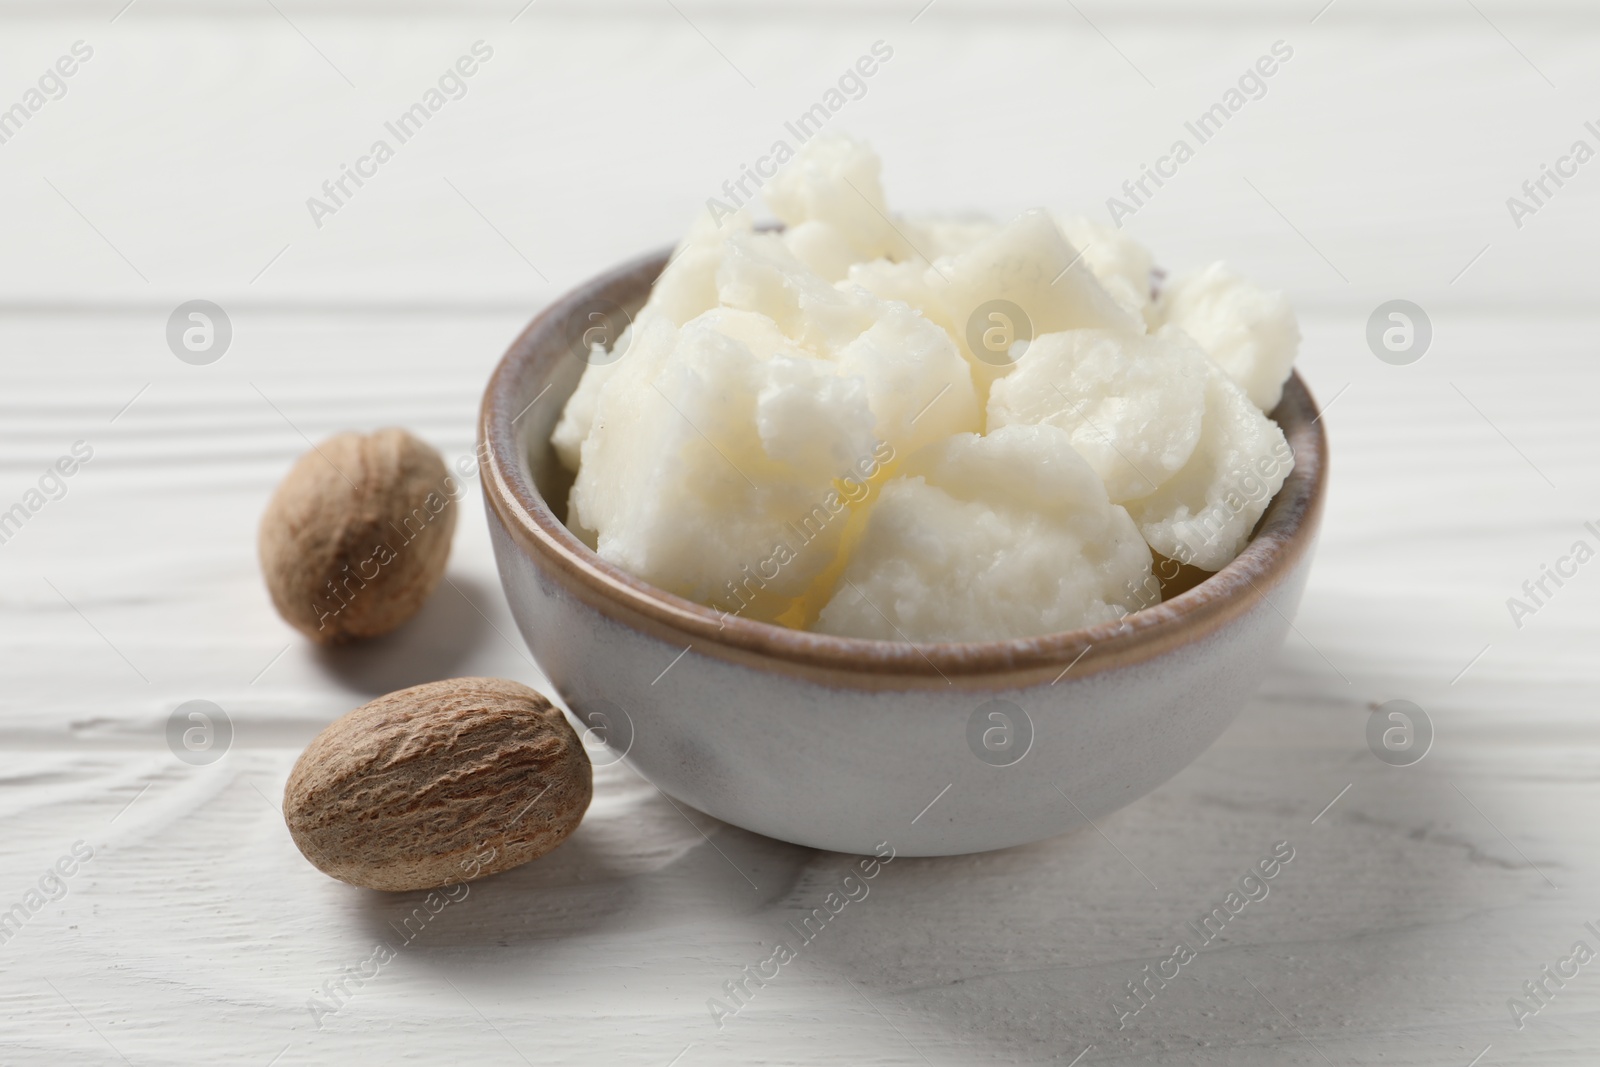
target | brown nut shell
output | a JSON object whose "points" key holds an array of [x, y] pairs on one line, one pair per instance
{"points": [[357, 534], [438, 784]]}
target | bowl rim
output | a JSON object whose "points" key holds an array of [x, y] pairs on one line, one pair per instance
{"points": [[1284, 536]]}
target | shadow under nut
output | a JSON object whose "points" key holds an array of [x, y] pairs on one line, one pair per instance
{"points": [[357, 535], [438, 784]]}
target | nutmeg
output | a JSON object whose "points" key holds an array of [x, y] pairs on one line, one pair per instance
{"points": [[357, 535], [438, 784]]}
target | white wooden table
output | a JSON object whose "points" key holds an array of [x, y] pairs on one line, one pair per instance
{"points": [[1376, 166]]}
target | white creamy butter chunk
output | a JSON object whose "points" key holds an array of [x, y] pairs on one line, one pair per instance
{"points": [[933, 238], [912, 282], [919, 387], [688, 284], [920, 277], [578, 416], [686, 287], [1203, 514], [1019, 280], [822, 247], [651, 339], [988, 538], [1133, 404], [1121, 263], [714, 463], [1027, 265], [812, 419], [758, 273], [834, 179], [1250, 332]]}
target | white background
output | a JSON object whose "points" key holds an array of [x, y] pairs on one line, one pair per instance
{"points": [[1376, 167]]}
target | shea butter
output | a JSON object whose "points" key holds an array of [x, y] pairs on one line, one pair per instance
{"points": [[924, 428], [1006, 533]]}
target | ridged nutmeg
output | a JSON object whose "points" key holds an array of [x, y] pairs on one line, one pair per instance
{"points": [[438, 784], [357, 535]]}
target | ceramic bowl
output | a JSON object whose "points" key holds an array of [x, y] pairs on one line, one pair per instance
{"points": [[846, 744]]}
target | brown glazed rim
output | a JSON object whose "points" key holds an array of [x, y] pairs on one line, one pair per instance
{"points": [[1284, 536]]}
